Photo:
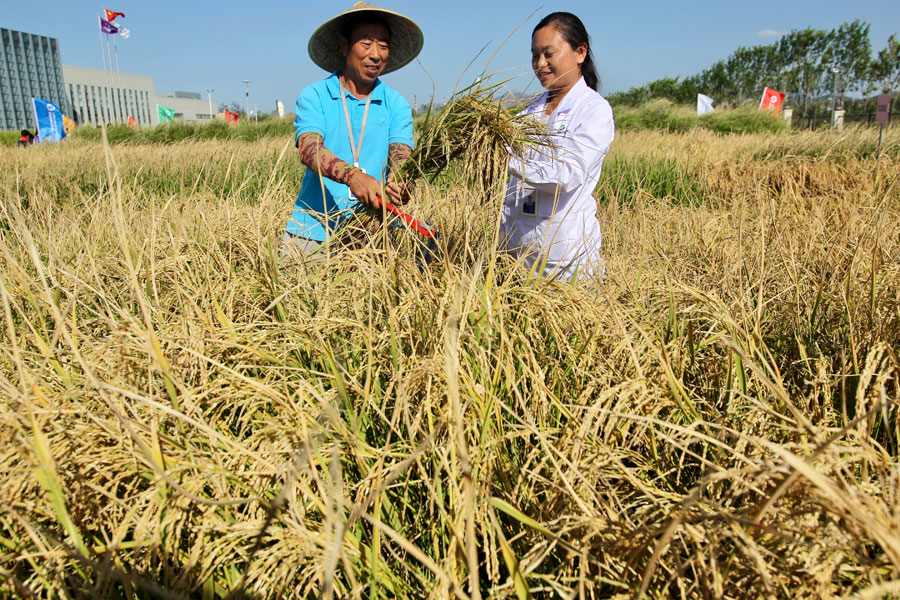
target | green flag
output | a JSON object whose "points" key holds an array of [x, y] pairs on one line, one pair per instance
{"points": [[165, 113]]}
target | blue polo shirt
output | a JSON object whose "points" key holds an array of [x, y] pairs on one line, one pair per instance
{"points": [[322, 204]]}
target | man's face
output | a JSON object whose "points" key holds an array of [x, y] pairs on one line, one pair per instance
{"points": [[366, 52]]}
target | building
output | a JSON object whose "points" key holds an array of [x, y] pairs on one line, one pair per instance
{"points": [[30, 67], [99, 96], [106, 96], [189, 107]]}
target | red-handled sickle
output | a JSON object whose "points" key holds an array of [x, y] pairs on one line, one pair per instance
{"points": [[425, 230], [420, 227]]}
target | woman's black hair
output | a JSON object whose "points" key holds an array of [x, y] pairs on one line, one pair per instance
{"points": [[572, 29]]}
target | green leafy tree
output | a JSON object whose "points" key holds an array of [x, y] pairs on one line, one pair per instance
{"points": [[799, 64], [663, 88], [802, 52], [633, 97], [688, 90], [884, 70], [750, 69], [716, 80], [849, 50]]}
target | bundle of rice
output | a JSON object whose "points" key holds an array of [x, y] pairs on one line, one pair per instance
{"points": [[474, 132], [469, 141]]}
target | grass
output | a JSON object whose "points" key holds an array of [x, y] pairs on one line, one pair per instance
{"points": [[8, 139], [625, 180], [184, 415], [859, 142], [665, 116], [169, 133]]}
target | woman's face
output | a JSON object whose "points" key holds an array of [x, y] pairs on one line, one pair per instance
{"points": [[555, 63]]}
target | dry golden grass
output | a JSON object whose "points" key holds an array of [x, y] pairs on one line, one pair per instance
{"points": [[185, 416]]}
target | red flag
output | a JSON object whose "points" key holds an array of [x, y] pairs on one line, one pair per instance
{"points": [[111, 15], [771, 100], [231, 117], [132, 122]]}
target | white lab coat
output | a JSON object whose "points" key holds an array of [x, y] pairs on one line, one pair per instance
{"points": [[549, 213]]}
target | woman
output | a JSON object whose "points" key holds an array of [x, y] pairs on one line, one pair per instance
{"points": [[549, 215]]}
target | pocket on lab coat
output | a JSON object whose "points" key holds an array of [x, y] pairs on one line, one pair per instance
{"points": [[549, 204]]}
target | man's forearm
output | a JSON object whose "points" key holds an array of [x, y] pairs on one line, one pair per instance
{"points": [[322, 161], [398, 154]]}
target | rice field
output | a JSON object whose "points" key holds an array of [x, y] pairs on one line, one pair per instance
{"points": [[187, 415]]}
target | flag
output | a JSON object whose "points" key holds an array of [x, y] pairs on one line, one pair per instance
{"points": [[131, 122], [68, 124], [704, 104], [231, 117], [165, 113], [124, 32], [49, 120], [107, 27], [111, 15], [771, 100], [279, 106]]}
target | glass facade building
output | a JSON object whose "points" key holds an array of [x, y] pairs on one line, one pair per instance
{"points": [[30, 67]]}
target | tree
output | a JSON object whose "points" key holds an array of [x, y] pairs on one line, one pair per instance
{"points": [[801, 52], [799, 64], [848, 49], [688, 90], [663, 88], [884, 70], [715, 79], [759, 67], [633, 97]]}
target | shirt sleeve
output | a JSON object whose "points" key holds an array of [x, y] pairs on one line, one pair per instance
{"points": [[566, 167], [309, 116], [401, 128]]}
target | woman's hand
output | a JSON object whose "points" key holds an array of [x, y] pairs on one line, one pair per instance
{"points": [[366, 188]]}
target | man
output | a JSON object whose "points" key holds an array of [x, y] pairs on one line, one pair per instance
{"points": [[351, 127], [26, 138]]}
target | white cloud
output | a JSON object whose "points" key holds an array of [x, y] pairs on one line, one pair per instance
{"points": [[769, 33]]}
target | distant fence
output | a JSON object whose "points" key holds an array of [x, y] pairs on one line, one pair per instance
{"points": [[824, 119]]}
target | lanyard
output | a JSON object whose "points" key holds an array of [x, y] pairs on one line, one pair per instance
{"points": [[355, 147]]}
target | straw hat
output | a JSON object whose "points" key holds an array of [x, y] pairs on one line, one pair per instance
{"points": [[406, 39]]}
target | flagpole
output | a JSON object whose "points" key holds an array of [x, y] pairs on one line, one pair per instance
{"points": [[119, 74], [115, 102], [37, 122], [103, 117]]}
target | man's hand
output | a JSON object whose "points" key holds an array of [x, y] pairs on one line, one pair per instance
{"points": [[366, 188], [399, 193]]}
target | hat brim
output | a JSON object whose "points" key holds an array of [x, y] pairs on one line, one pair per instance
{"points": [[406, 39]]}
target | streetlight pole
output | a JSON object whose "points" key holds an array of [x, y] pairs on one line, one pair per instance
{"points": [[835, 71], [209, 96], [246, 82]]}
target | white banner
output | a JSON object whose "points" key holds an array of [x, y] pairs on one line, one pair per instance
{"points": [[704, 104]]}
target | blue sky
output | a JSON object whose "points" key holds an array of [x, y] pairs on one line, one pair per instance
{"points": [[202, 44]]}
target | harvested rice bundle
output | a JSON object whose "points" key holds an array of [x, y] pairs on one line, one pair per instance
{"points": [[474, 132], [469, 141]]}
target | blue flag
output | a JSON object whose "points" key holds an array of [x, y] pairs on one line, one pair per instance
{"points": [[49, 120]]}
